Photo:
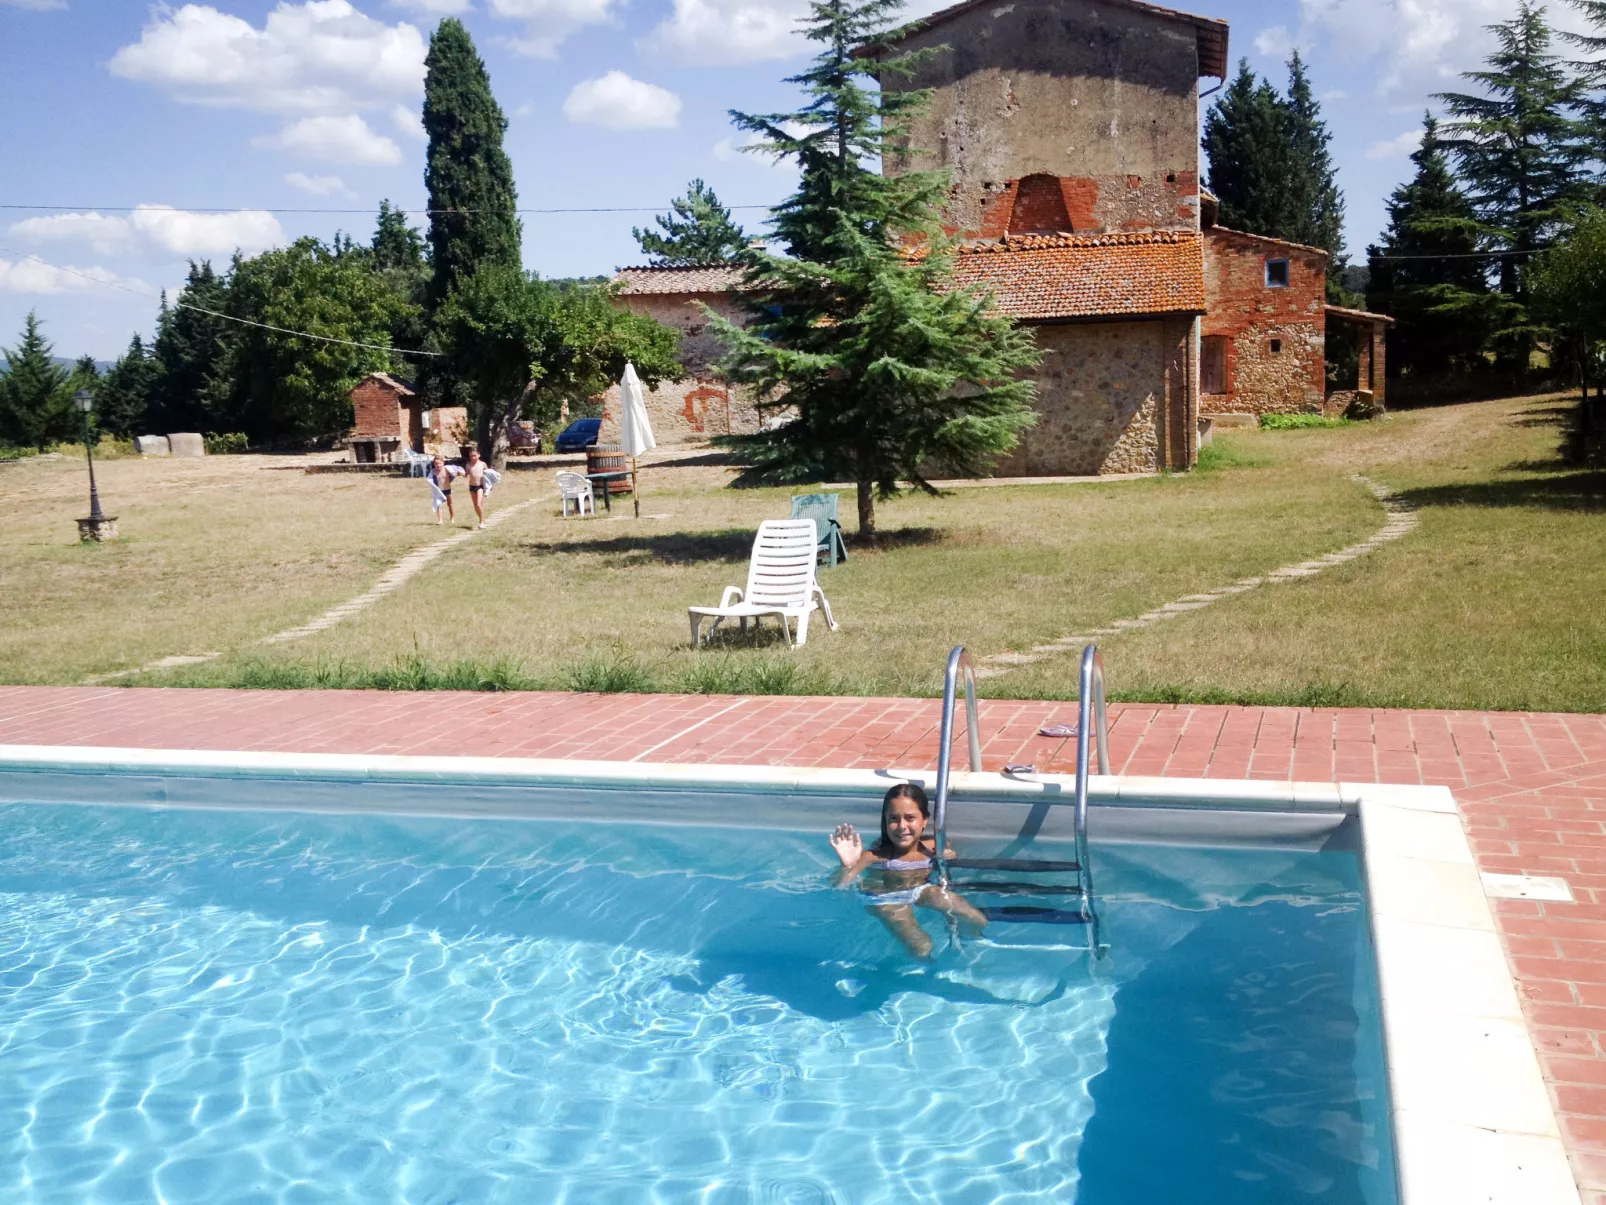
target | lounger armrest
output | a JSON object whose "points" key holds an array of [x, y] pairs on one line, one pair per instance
{"points": [[733, 594]]}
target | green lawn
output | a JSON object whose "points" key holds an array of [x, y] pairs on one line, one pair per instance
{"points": [[1492, 602]]}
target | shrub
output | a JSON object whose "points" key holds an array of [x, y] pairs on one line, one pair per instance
{"points": [[1300, 422], [618, 674], [222, 445]]}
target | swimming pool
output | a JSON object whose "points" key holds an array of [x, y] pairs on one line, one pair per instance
{"points": [[244, 1000]]}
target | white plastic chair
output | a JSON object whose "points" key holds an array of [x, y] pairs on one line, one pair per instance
{"points": [[577, 489], [780, 582]]}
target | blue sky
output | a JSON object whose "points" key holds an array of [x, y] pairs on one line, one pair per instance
{"points": [[134, 118]]}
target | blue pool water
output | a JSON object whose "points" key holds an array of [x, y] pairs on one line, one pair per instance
{"points": [[231, 1008]]}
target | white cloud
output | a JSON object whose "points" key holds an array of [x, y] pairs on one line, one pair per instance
{"points": [[617, 102], [410, 122], [106, 235], [159, 228], [1419, 46], [319, 57], [1276, 41], [348, 141], [318, 186], [437, 8], [718, 33], [548, 22], [1395, 148], [34, 5], [31, 276]]}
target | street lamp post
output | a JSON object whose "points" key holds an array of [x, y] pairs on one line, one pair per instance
{"points": [[98, 526]]}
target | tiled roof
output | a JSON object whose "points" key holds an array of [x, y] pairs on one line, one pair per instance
{"points": [[396, 383], [715, 278], [1089, 276]]}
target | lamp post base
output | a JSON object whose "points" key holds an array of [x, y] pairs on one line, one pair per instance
{"points": [[93, 530]]}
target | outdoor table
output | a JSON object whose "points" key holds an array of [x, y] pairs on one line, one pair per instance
{"points": [[602, 479]]}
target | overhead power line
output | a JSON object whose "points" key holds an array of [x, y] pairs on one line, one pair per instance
{"points": [[281, 209], [184, 305]]}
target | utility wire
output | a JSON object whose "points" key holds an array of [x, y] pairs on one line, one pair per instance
{"points": [[276, 209], [184, 305]]}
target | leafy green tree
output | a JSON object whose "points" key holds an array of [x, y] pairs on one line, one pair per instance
{"points": [[1569, 294], [858, 329], [473, 219], [288, 385], [124, 393], [1523, 154], [1271, 165], [523, 347], [190, 348], [1428, 273], [698, 231], [36, 407]]}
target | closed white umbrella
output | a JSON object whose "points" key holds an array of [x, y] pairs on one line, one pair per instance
{"points": [[635, 427]]}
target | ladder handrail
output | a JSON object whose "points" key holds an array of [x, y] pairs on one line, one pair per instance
{"points": [[1089, 707], [958, 660]]}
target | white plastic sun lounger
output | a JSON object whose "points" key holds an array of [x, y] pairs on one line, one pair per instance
{"points": [[780, 582]]}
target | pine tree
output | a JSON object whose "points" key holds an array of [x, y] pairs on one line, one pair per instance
{"points": [[124, 395], [1271, 165], [1427, 272], [191, 349], [35, 393], [699, 231], [1522, 152], [887, 368], [469, 177], [1314, 204], [399, 258]]}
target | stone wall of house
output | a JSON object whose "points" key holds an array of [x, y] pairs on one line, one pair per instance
{"points": [[1112, 397], [1276, 337], [1100, 97], [697, 407], [378, 411]]}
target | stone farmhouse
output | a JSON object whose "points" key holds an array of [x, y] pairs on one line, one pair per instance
{"points": [[1070, 133], [391, 419]]}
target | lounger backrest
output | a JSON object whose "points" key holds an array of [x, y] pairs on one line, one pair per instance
{"points": [[821, 508], [781, 573]]}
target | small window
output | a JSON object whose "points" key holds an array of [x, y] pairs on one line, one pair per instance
{"points": [[1276, 273], [1213, 364], [1276, 347]]}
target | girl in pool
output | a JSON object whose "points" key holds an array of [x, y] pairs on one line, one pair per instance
{"points": [[900, 863]]}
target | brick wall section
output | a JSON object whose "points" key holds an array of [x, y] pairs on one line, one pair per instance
{"points": [[1112, 397], [1251, 316], [699, 406], [1090, 204], [378, 411]]}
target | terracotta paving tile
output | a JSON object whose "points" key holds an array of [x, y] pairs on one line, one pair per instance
{"points": [[1531, 788]]}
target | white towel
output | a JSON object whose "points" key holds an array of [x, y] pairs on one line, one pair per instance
{"points": [[491, 478], [437, 495]]}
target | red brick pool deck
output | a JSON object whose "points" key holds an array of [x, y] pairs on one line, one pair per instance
{"points": [[1531, 788]]}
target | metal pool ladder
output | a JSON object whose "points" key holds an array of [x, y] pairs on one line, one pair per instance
{"points": [[1091, 721]]}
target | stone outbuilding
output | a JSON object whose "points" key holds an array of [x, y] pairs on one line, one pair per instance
{"points": [[698, 406], [391, 419]]}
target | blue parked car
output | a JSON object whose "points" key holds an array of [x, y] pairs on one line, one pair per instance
{"points": [[578, 435]]}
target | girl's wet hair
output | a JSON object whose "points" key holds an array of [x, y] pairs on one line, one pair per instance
{"points": [[904, 790]]}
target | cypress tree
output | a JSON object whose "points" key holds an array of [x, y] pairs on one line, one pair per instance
{"points": [[698, 231], [396, 245], [887, 367], [1523, 154], [1427, 272], [191, 350], [470, 180], [1314, 205], [124, 394], [35, 393]]}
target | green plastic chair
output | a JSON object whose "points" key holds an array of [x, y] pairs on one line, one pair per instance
{"points": [[822, 509]]}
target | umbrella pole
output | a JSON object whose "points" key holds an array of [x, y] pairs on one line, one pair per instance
{"points": [[635, 487]]}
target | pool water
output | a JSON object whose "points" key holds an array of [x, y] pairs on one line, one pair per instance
{"points": [[230, 1007]]}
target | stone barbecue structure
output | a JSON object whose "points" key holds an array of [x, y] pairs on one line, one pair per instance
{"points": [[1070, 133], [391, 419]]}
